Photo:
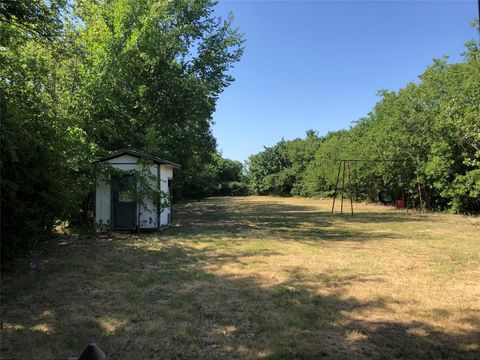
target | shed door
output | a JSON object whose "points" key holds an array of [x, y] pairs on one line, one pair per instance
{"points": [[124, 204]]}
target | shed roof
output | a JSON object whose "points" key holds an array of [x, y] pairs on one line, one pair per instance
{"points": [[153, 158]]}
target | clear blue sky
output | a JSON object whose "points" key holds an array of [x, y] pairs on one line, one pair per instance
{"points": [[319, 64]]}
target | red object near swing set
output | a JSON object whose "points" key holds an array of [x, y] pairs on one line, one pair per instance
{"points": [[345, 166]]}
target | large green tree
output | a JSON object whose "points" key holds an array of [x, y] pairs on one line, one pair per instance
{"points": [[151, 73], [35, 187], [280, 169], [79, 79]]}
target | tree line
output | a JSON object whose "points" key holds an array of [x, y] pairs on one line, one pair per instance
{"points": [[79, 79], [432, 126]]}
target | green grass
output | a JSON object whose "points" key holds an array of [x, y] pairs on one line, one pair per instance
{"points": [[255, 277]]}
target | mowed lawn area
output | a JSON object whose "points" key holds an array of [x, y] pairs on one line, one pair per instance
{"points": [[255, 277]]}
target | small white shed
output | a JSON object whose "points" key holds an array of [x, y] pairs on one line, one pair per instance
{"points": [[116, 209]]}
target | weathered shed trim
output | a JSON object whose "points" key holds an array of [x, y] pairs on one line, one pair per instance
{"points": [[158, 201], [155, 159]]}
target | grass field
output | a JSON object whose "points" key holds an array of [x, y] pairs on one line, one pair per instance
{"points": [[256, 277]]}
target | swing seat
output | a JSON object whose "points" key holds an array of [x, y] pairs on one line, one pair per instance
{"points": [[400, 204]]}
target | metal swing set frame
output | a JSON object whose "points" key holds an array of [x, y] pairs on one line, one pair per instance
{"points": [[345, 165]]}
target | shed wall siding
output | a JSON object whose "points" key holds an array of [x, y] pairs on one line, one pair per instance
{"points": [[148, 210], [102, 203], [123, 159], [166, 172]]}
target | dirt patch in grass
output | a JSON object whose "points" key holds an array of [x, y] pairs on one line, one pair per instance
{"points": [[256, 277]]}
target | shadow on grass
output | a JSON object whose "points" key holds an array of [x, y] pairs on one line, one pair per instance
{"points": [[152, 297], [217, 218], [139, 304]]}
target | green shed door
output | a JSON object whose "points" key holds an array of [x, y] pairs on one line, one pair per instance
{"points": [[124, 205]]}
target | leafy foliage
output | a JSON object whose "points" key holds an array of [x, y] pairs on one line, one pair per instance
{"points": [[80, 79], [434, 126], [228, 178], [279, 170]]}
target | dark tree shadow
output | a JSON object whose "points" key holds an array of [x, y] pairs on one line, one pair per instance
{"points": [[165, 302], [217, 218]]}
